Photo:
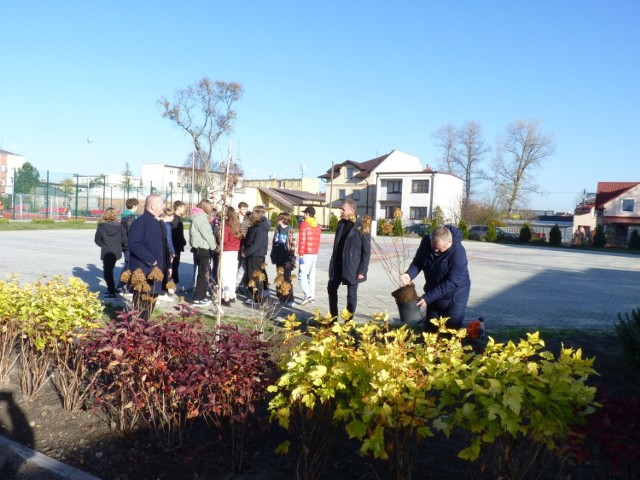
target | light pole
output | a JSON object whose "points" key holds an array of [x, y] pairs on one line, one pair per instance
{"points": [[77, 180], [13, 193]]}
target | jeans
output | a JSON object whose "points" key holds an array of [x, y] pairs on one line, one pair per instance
{"points": [[307, 274], [352, 297]]}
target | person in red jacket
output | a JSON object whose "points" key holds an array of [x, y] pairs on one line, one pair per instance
{"points": [[308, 246], [232, 237]]}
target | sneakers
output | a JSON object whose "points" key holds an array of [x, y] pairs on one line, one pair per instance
{"points": [[109, 296], [307, 300], [290, 304], [202, 303], [165, 298], [171, 291]]}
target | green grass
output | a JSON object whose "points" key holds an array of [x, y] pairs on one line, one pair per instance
{"points": [[47, 225]]}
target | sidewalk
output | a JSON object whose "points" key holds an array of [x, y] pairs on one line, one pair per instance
{"points": [[512, 285]]}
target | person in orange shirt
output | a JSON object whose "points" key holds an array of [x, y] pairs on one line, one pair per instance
{"points": [[308, 246]]}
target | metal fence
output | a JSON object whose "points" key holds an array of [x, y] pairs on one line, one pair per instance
{"points": [[63, 195]]}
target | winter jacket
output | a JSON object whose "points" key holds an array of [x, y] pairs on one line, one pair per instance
{"points": [[257, 240], [283, 245], [126, 218], [200, 233], [177, 233], [447, 274], [231, 243], [111, 237], [356, 253], [148, 247], [309, 241]]}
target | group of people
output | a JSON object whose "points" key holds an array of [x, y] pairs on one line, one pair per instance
{"points": [[233, 253]]}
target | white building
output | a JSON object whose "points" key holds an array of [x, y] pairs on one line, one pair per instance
{"points": [[9, 162], [417, 194]]}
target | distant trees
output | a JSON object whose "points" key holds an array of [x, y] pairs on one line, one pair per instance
{"points": [[521, 148], [27, 178], [205, 112], [463, 150]]}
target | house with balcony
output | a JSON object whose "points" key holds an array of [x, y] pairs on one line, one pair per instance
{"points": [[617, 208], [417, 194], [357, 180]]}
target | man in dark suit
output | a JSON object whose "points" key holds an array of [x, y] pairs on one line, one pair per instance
{"points": [[149, 250], [350, 258]]}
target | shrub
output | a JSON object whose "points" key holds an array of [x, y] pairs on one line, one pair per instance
{"points": [[43, 221], [628, 332], [169, 372], [398, 229], [333, 222], [274, 219], [634, 240], [492, 233], [464, 228], [381, 228], [390, 389], [525, 233], [599, 238], [555, 236], [9, 327], [51, 315]]}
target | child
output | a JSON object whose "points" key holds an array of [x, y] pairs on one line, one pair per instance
{"points": [[166, 219], [111, 237]]}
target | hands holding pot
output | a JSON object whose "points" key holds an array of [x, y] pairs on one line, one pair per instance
{"points": [[405, 279]]}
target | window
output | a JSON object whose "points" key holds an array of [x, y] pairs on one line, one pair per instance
{"points": [[417, 213], [394, 186], [349, 172], [627, 205], [356, 195], [388, 210], [420, 186], [342, 194]]}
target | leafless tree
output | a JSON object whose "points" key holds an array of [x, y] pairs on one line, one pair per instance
{"points": [[463, 150], [520, 149], [446, 138], [205, 112]]}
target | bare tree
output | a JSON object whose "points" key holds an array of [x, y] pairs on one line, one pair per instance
{"points": [[521, 148], [205, 112], [463, 149], [446, 138]]}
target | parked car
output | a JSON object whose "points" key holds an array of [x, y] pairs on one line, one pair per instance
{"points": [[421, 229], [479, 232]]}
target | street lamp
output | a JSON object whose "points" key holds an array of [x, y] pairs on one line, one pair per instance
{"points": [[13, 193]]}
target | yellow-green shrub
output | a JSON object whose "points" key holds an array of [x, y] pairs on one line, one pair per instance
{"points": [[49, 317], [389, 389]]}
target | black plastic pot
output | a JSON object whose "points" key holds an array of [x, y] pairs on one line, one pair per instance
{"points": [[409, 311]]}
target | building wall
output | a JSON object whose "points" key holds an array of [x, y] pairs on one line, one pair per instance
{"points": [[9, 161], [305, 184], [444, 190]]}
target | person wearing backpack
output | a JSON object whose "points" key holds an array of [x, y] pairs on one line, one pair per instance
{"points": [[126, 219], [283, 254]]}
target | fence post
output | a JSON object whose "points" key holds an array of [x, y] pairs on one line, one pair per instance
{"points": [[46, 198], [77, 181]]}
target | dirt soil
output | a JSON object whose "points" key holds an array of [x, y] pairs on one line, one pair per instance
{"points": [[85, 441]]}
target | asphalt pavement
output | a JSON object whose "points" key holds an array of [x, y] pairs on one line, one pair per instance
{"points": [[512, 285]]}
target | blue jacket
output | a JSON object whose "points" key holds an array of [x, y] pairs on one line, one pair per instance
{"points": [[446, 275], [148, 245]]}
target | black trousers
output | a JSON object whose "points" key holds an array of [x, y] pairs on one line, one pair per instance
{"points": [[175, 266], [352, 297], [254, 264], [203, 261], [454, 308], [108, 264]]}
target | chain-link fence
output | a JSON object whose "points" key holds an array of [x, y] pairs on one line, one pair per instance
{"points": [[65, 195]]}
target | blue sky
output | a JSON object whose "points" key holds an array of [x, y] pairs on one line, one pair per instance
{"points": [[324, 81]]}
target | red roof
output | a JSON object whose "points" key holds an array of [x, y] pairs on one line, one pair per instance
{"points": [[609, 190], [364, 167]]}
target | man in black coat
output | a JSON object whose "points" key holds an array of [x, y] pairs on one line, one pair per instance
{"points": [[149, 249], [350, 258], [443, 260]]}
